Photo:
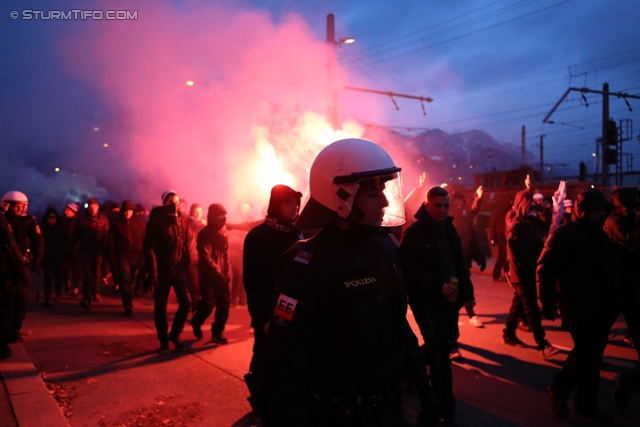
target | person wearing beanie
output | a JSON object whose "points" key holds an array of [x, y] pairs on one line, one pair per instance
{"points": [[166, 252], [525, 240], [263, 247], [575, 273], [214, 271], [91, 236], [126, 237]]}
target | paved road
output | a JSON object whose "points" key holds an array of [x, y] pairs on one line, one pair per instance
{"points": [[105, 370]]}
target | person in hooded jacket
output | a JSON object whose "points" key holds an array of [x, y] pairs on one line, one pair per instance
{"points": [[619, 226], [431, 257], [575, 273], [525, 241], [166, 250], [263, 247], [215, 275], [91, 233], [55, 243], [126, 238]]}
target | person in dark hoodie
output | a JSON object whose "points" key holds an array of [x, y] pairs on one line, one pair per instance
{"points": [[263, 247], [72, 266], [438, 284], [619, 226], [91, 233], [126, 237], [575, 270], [54, 253], [525, 241], [166, 250], [215, 275]]}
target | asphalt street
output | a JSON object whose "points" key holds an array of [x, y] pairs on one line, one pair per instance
{"points": [[104, 370]]}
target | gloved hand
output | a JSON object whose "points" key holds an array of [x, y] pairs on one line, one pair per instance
{"points": [[483, 266], [549, 312]]}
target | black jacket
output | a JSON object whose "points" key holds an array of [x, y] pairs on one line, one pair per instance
{"points": [[91, 233], [12, 260], [213, 256], [55, 241], [263, 247], [126, 237], [28, 237], [525, 240], [579, 257], [166, 242], [421, 254], [339, 326]]}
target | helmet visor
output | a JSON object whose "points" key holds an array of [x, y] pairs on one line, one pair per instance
{"points": [[394, 213]]}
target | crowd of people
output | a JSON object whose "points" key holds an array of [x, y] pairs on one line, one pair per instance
{"points": [[327, 288]]}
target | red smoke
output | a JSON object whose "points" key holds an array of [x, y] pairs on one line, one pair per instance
{"points": [[254, 117]]}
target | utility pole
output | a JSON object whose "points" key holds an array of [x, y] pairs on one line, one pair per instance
{"points": [[523, 147], [605, 139], [332, 93], [542, 157]]}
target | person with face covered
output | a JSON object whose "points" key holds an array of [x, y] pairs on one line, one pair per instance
{"points": [[166, 251], [215, 275], [339, 342], [576, 272], [263, 247], [126, 238], [525, 240]]}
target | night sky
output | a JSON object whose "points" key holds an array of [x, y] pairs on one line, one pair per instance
{"points": [[68, 87]]}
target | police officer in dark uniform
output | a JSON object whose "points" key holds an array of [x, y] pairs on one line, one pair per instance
{"points": [[339, 342], [12, 273], [29, 239]]}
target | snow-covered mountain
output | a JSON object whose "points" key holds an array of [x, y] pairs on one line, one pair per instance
{"points": [[448, 157]]}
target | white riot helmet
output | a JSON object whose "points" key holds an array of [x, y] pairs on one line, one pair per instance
{"points": [[15, 197], [335, 178]]}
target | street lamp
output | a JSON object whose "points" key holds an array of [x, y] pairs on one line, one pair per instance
{"points": [[332, 92]]}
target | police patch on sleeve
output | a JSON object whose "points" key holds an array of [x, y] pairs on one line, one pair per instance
{"points": [[285, 308], [303, 257]]}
